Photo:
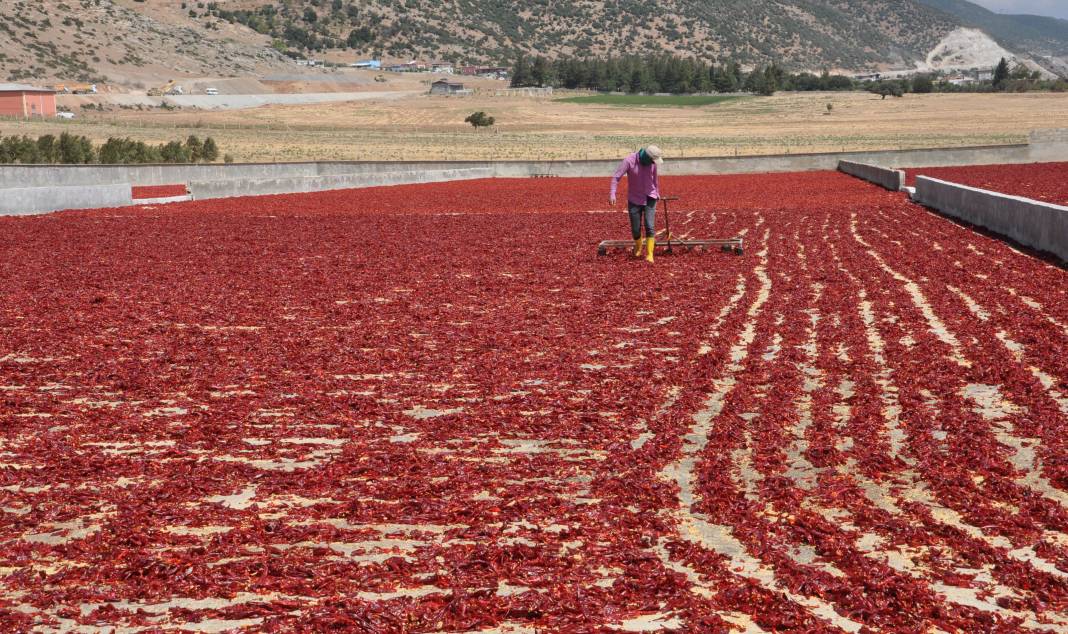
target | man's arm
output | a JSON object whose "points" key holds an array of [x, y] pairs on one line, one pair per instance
{"points": [[624, 165]]}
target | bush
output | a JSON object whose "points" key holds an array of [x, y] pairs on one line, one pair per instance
{"points": [[887, 88], [174, 152], [479, 120], [923, 84], [193, 148], [210, 152]]}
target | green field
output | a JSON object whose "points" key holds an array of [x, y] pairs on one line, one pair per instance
{"points": [[662, 101]]}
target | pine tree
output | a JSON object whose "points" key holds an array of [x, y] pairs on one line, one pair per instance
{"points": [[521, 75], [1001, 73], [193, 148], [209, 153], [541, 72]]}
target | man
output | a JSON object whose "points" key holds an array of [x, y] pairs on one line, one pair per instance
{"points": [[643, 192]]}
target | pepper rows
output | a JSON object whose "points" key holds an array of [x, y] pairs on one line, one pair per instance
{"points": [[1039, 181], [435, 408], [141, 192]]}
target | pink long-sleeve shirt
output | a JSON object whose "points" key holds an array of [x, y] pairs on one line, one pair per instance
{"points": [[643, 182]]}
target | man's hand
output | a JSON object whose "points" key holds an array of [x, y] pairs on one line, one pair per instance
{"points": [[612, 201]]}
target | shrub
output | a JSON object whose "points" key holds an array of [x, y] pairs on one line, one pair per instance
{"points": [[923, 84], [479, 120], [174, 152], [193, 148], [209, 153]]}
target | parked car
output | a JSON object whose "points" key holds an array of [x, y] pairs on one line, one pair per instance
{"points": [[65, 115], [211, 91]]}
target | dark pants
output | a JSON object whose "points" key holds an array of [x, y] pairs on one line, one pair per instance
{"points": [[638, 213]]}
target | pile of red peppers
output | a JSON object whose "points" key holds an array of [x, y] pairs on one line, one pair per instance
{"points": [[436, 408]]}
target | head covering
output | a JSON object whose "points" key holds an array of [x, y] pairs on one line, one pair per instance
{"points": [[655, 154]]}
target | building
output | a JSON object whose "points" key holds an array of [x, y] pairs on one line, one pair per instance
{"points": [[17, 100], [446, 87], [493, 71], [408, 67], [372, 64], [497, 72], [442, 67]]}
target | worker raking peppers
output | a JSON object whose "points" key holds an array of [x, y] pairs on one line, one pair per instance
{"points": [[643, 192]]}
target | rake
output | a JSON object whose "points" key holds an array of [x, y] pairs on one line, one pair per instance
{"points": [[726, 245]]}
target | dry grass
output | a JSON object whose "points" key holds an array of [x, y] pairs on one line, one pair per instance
{"points": [[422, 127]]}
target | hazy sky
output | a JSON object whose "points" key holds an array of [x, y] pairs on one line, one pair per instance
{"points": [[1057, 8]]}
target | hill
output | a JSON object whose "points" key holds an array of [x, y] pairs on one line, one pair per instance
{"points": [[799, 33], [1043, 38], [147, 41], [101, 40]]}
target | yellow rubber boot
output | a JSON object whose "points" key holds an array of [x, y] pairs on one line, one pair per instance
{"points": [[649, 245], [638, 247]]}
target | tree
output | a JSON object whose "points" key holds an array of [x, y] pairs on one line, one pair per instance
{"points": [[886, 89], [47, 149], [923, 84], [310, 16], [359, 36], [174, 152], [1001, 74], [541, 71], [193, 148], [210, 152], [479, 120], [521, 73], [761, 82], [74, 149]]}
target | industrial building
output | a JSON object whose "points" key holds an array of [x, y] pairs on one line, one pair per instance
{"points": [[18, 100]]}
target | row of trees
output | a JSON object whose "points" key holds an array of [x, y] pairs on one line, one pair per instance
{"points": [[72, 149], [680, 75], [666, 73], [1019, 78]]}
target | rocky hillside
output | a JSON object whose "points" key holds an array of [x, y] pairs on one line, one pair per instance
{"points": [[101, 41], [1042, 38], [799, 33], [148, 41]]}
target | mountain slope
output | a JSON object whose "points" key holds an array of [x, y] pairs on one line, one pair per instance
{"points": [[800, 33], [100, 40], [138, 41], [1043, 38]]}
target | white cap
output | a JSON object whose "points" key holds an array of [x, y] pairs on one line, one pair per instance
{"points": [[655, 154]]}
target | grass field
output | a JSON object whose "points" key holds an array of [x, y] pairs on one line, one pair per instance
{"points": [[671, 101], [421, 127]]}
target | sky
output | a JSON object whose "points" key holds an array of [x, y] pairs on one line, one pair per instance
{"points": [[1056, 8]]}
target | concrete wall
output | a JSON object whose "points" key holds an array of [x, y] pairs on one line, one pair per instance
{"points": [[1049, 145], [887, 178], [296, 184], [254, 178], [1032, 223], [38, 200], [46, 175]]}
